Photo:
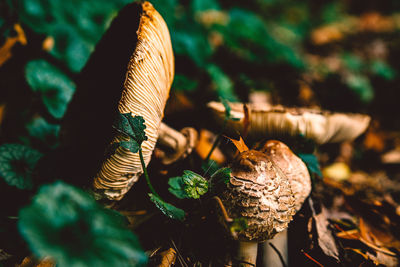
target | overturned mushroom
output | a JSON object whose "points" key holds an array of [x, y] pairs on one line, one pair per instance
{"points": [[267, 188], [175, 145], [146, 89], [321, 126]]}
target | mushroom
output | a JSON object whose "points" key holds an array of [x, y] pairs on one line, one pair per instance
{"points": [[175, 145], [267, 187], [146, 90], [319, 125]]}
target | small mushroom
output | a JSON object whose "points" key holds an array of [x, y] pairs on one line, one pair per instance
{"points": [[321, 126], [267, 188], [146, 89], [176, 145]]}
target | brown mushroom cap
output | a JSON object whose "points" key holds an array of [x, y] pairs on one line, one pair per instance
{"points": [[267, 188], [321, 126], [293, 167], [146, 89]]}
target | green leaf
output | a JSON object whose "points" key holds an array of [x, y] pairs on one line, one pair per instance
{"points": [[223, 175], [54, 86], [17, 163], [203, 5], [383, 70], [353, 62], [183, 83], [176, 187], [65, 223], [131, 126], [361, 85], [312, 163], [195, 185], [222, 83], [130, 145], [138, 127], [168, 209], [44, 131], [189, 185]]}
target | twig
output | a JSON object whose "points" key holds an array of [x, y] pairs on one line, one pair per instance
{"points": [[223, 210], [180, 258], [279, 254], [311, 258]]}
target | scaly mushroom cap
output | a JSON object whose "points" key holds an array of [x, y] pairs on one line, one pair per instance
{"points": [[321, 126], [293, 167], [260, 192], [267, 188], [146, 89]]}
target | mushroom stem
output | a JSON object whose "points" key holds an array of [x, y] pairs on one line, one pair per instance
{"points": [[171, 138], [279, 255], [176, 145], [247, 253]]}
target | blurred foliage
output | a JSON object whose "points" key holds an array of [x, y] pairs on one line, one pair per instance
{"points": [[17, 163], [336, 54], [65, 223]]}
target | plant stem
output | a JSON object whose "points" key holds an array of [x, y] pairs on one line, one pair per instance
{"points": [[147, 175], [215, 144]]}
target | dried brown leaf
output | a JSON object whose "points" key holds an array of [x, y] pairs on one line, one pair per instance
{"points": [[168, 258], [239, 144]]}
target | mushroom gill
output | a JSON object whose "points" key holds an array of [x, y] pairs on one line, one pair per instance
{"points": [[146, 89]]}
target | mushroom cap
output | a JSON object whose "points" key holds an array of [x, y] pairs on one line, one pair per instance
{"points": [[293, 167], [321, 126], [266, 188], [146, 89]]}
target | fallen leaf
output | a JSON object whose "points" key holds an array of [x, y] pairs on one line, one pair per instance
{"points": [[326, 241], [5, 50], [374, 140], [32, 262], [168, 258], [239, 144]]}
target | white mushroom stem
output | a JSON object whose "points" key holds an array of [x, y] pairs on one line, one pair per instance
{"points": [[271, 257], [247, 253], [176, 145]]}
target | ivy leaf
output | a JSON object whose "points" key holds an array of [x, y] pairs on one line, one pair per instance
{"points": [[122, 125], [189, 185], [65, 223], [130, 145], [55, 87], [170, 210], [131, 126], [138, 127], [176, 187], [43, 131], [223, 175], [195, 184], [17, 163], [312, 164], [219, 180]]}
